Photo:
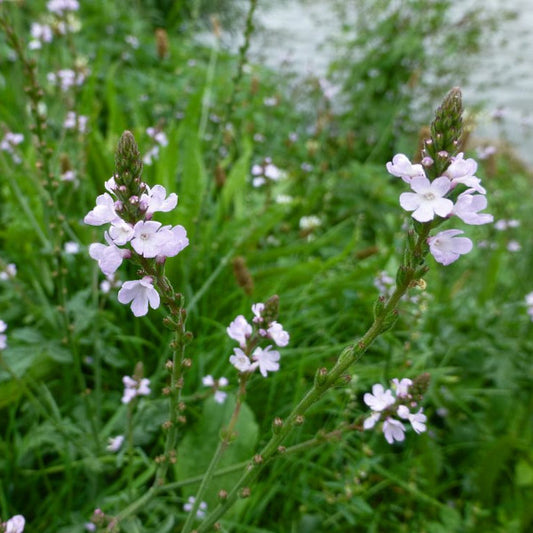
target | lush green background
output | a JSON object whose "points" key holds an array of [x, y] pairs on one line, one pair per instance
{"points": [[70, 345]]}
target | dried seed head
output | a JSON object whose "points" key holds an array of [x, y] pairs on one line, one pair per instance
{"points": [[161, 39]]}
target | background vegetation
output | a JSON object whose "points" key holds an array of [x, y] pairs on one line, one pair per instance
{"points": [[69, 344]]}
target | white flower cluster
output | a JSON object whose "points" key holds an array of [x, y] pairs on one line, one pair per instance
{"points": [[431, 199], [10, 271], [135, 387], [160, 139], [266, 172], [9, 142], [385, 406], [66, 78], [147, 238], [61, 7], [209, 381], [75, 122], [249, 356], [202, 508]]}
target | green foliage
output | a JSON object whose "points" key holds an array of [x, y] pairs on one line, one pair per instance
{"points": [[70, 343]]}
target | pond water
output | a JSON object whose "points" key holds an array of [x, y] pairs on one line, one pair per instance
{"points": [[295, 32]]}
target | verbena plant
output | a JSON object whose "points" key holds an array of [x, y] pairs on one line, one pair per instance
{"points": [[147, 392]]}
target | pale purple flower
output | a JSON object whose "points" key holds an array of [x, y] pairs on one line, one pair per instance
{"points": [[71, 247], [486, 151], [428, 199], [372, 420], [467, 208], [103, 213], [514, 246], [110, 282], [208, 381], [270, 101], [73, 121], [393, 430], [15, 524], [403, 168], [3, 338], [309, 223], [384, 283], [202, 508], [528, 298], [418, 420], [59, 7], [380, 398], [145, 239], [220, 396], [151, 155], [115, 443], [9, 142], [109, 257], [239, 330], [158, 136], [68, 175], [132, 41], [276, 332], [171, 241], [121, 232], [462, 171], [134, 387], [140, 293], [402, 386], [446, 247], [156, 199], [272, 172], [257, 310], [9, 272], [241, 361], [267, 359], [41, 33], [67, 78]]}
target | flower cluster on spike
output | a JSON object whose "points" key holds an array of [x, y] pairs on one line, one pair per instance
{"points": [[391, 406], [249, 356], [455, 189], [128, 207]]}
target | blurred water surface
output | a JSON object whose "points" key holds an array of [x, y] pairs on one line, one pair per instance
{"points": [[296, 35]]}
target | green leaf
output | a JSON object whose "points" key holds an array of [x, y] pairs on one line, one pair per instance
{"points": [[235, 186], [201, 441]]}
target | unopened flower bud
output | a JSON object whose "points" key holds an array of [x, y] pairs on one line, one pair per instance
{"points": [[321, 376], [271, 310]]}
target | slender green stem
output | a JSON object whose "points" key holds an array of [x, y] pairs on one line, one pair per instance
{"points": [[324, 382], [228, 435]]}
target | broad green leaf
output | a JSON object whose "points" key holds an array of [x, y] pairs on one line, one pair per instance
{"points": [[201, 441]]}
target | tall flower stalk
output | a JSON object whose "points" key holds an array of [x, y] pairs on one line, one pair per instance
{"points": [[448, 169]]}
